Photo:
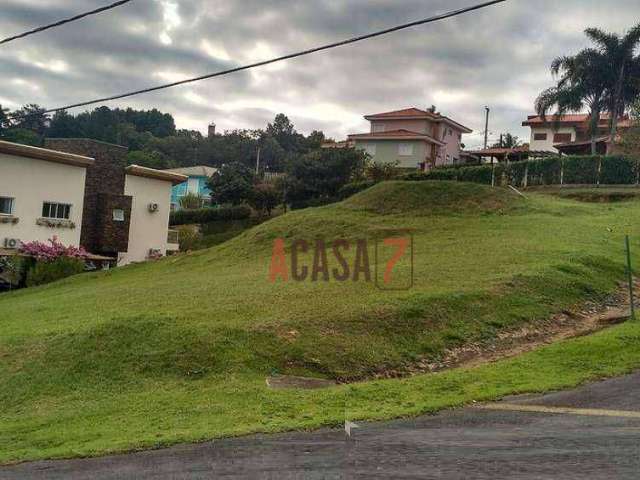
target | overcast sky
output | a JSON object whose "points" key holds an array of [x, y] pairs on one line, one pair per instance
{"points": [[497, 57]]}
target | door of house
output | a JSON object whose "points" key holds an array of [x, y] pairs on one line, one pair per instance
{"points": [[193, 185]]}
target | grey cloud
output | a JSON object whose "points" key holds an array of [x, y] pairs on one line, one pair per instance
{"points": [[498, 57]]}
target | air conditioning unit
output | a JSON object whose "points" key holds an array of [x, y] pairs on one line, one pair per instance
{"points": [[153, 207], [12, 243]]}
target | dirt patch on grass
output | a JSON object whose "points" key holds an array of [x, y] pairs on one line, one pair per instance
{"points": [[581, 320]]}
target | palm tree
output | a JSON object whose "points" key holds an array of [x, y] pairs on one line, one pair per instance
{"points": [[619, 52], [582, 82]]}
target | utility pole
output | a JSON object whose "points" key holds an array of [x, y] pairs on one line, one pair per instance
{"points": [[486, 128], [258, 160]]}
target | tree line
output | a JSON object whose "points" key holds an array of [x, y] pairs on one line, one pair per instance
{"points": [[154, 141]]}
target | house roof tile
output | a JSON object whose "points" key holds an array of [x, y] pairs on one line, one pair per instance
{"points": [[572, 118], [395, 135]]}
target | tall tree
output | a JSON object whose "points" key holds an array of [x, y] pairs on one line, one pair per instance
{"points": [[285, 133], [64, 125], [31, 117], [619, 52], [583, 80], [507, 140]]}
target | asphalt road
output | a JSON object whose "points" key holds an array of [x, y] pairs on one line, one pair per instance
{"points": [[589, 433]]}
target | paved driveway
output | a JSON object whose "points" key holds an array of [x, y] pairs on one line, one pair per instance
{"points": [[589, 433]]}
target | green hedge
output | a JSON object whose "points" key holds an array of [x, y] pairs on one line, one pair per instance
{"points": [[481, 174], [544, 172], [46, 272], [207, 215], [573, 170], [618, 171], [581, 170]]}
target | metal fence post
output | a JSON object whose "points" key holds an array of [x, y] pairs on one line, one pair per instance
{"points": [[630, 276], [599, 171]]}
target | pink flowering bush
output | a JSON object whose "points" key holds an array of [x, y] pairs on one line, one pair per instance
{"points": [[52, 251]]}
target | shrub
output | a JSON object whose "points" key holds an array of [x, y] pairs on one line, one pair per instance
{"points": [[233, 184], [266, 197], [189, 238], [191, 201], [14, 269], [381, 171], [352, 188], [206, 215], [443, 174], [415, 177], [316, 178], [43, 252], [49, 271]]}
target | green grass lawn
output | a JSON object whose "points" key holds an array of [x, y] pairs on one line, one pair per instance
{"points": [[178, 350]]}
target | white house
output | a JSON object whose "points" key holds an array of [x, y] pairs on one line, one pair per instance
{"points": [[570, 133], [151, 193], [82, 192], [41, 195]]}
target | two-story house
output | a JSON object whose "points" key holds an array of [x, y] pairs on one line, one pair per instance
{"points": [[196, 184], [570, 133], [412, 138]]}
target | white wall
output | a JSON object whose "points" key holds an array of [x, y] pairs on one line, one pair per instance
{"points": [[547, 145], [147, 230], [32, 182]]}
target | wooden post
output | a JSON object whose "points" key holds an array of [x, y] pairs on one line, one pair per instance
{"points": [[561, 171], [493, 175], [525, 181], [599, 171], [630, 277]]}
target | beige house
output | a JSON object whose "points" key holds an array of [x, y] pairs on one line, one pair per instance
{"points": [[412, 138], [151, 199], [83, 194], [41, 195], [569, 133]]}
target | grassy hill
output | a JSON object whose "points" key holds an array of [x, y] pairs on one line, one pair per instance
{"points": [[178, 350]]}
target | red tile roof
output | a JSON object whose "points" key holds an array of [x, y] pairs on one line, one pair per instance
{"points": [[572, 118], [406, 112], [395, 134], [417, 114]]}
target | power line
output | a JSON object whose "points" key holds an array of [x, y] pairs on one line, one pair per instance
{"points": [[62, 22], [288, 57]]}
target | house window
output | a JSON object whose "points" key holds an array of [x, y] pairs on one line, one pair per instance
{"points": [[540, 137], [118, 215], [562, 138], [6, 206], [370, 149], [61, 211], [405, 149], [378, 127]]}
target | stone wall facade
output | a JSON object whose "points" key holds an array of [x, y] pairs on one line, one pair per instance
{"points": [[104, 193]]}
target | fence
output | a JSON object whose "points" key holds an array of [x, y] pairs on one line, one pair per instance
{"points": [[571, 170]]}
